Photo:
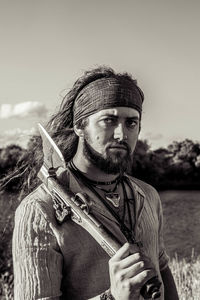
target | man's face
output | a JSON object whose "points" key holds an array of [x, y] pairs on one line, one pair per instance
{"points": [[110, 138]]}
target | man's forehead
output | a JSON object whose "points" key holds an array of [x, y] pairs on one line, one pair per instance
{"points": [[126, 112]]}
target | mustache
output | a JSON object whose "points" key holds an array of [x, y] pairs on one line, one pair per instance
{"points": [[119, 144]]}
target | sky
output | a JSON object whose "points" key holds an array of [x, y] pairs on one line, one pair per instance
{"points": [[47, 44]]}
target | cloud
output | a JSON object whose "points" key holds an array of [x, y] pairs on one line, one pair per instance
{"points": [[16, 136], [155, 140], [154, 136], [23, 110]]}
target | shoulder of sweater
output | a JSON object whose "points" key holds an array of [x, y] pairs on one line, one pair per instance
{"points": [[38, 199], [39, 194]]}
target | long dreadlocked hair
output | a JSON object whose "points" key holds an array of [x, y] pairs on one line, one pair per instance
{"points": [[60, 128]]}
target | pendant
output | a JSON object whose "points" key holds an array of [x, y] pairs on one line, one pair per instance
{"points": [[114, 198]]}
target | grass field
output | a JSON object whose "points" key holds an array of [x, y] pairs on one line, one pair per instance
{"points": [[181, 211]]}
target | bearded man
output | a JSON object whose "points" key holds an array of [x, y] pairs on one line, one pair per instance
{"points": [[96, 129]]}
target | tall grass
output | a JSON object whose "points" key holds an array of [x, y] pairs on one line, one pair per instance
{"points": [[187, 277]]}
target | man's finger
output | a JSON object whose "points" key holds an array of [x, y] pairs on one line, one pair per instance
{"points": [[123, 252], [135, 259], [141, 278]]}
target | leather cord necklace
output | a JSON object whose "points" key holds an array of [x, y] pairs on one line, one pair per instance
{"points": [[111, 195], [127, 231]]}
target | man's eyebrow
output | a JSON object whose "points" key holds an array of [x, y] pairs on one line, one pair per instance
{"points": [[133, 118], [116, 117], [109, 115]]}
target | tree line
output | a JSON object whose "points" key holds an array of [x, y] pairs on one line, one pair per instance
{"points": [[174, 167]]}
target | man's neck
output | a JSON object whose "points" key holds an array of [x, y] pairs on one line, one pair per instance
{"points": [[91, 171]]}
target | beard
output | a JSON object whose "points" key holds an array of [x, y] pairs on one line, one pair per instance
{"points": [[112, 163]]}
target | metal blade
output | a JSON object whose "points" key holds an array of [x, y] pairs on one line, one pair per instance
{"points": [[53, 157]]}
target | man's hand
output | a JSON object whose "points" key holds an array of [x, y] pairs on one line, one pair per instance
{"points": [[129, 271]]}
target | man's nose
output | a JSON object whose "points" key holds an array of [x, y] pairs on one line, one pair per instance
{"points": [[120, 132]]}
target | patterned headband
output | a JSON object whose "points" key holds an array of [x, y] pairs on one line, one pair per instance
{"points": [[106, 93]]}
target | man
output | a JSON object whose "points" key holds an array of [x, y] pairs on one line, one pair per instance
{"points": [[96, 129]]}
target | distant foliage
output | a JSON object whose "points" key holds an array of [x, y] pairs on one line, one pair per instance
{"points": [[185, 163], [9, 158], [176, 167], [19, 167]]}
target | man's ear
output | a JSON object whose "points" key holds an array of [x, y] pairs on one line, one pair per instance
{"points": [[79, 131]]}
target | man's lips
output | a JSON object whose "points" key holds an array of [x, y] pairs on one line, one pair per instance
{"points": [[118, 148]]}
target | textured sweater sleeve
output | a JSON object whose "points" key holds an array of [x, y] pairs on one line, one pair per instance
{"points": [[163, 257], [37, 260]]}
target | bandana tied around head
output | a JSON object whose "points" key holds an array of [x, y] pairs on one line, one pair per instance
{"points": [[106, 93]]}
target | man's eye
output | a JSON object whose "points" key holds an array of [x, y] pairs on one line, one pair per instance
{"points": [[109, 121], [131, 123]]}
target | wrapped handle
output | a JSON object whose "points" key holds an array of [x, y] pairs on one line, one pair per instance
{"points": [[151, 289]]}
